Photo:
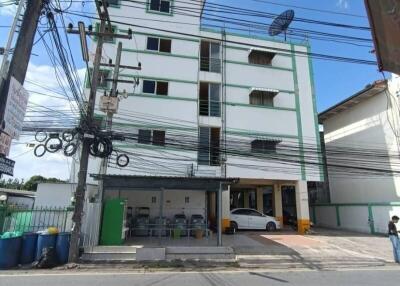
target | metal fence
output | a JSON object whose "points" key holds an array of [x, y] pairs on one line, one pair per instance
{"points": [[16, 218]]}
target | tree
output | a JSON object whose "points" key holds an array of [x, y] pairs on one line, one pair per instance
{"points": [[32, 183]]}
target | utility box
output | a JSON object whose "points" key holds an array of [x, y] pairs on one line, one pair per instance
{"points": [[109, 104]]}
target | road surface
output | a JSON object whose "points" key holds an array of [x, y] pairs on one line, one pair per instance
{"points": [[309, 278]]}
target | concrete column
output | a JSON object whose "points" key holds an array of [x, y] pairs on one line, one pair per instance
{"points": [[226, 207], [278, 210], [246, 202], [303, 212], [260, 199]]}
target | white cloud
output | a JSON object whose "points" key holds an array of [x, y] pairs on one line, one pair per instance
{"points": [[343, 4], [7, 10]]}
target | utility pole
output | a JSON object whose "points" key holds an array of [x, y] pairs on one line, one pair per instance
{"points": [[88, 120], [22, 52]]}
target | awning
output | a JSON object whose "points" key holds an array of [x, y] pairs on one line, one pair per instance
{"points": [[255, 51], [163, 182]]}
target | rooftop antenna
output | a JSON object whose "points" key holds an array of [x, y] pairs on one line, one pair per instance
{"points": [[281, 23]]}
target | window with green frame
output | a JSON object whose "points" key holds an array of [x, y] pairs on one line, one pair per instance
{"points": [[102, 82], [114, 3], [160, 6], [107, 39]]}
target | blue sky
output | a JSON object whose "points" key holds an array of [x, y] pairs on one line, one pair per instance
{"points": [[334, 81]]}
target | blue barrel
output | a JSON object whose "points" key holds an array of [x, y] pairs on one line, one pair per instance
{"points": [[62, 247], [9, 249], [45, 241], [28, 248]]}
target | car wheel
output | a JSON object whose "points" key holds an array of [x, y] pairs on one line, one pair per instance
{"points": [[234, 226], [271, 226]]}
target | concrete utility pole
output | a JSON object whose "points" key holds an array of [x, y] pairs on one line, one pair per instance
{"points": [[88, 120], [22, 52]]}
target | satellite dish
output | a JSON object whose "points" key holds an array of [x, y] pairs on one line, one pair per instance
{"points": [[281, 23]]}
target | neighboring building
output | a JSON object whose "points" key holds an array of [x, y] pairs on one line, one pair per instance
{"points": [[362, 153], [60, 195], [210, 104], [18, 198]]}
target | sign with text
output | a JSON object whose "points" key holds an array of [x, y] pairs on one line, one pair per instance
{"points": [[384, 18], [17, 102], [5, 143], [6, 166]]}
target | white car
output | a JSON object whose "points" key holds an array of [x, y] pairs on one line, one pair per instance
{"points": [[251, 219]]}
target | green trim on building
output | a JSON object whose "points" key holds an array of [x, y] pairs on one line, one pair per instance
{"points": [[254, 37], [247, 49], [257, 133], [167, 97], [161, 36], [157, 147], [250, 87], [158, 78], [337, 216], [314, 101], [259, 66], [97, 29], [383, 204], [371, 219], [260, 106], [160, 54], [298, 114]]}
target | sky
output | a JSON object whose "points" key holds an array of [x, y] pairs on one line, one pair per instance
{"points": [[334, 81]]}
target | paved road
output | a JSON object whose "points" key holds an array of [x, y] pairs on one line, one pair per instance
{"points": [[326, 278]]}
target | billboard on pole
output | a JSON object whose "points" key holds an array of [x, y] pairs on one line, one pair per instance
{"points": [[384, 18], [14, 115]]}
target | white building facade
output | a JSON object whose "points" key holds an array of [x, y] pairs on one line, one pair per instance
{"points": [[369, 122], [211, 103]]}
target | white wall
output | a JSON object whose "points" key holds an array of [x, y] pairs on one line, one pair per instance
{"points": [[59, 195], [364, 126], [174, 201], [356, 217]]}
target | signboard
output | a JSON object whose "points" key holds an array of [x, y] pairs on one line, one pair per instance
{"points": [[384, 18], [15, 109], [5, 143], [6, 166]]}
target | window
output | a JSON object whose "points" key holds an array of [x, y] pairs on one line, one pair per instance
{"points": [[113, 2], [187, 200], [264, 98], [153, 200], [209, 151], [210, 57], [163, 6], [158, 137], [254, 213], [209, 99], [155, 137], [158, 44], [144, 136], [101, 79], [241, 212], [155, 87], [264, 146], [162, 88], [261, 57], [109, 39]]}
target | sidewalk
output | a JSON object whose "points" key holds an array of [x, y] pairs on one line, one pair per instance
{"points": [[324, 249]]}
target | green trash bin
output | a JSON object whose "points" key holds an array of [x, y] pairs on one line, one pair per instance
{"points": [[176, 233]]}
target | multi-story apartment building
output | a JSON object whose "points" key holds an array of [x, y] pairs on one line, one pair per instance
{"points": [[215, 104]]}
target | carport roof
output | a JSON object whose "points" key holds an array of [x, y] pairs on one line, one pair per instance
{"points": [[159, 182]]}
